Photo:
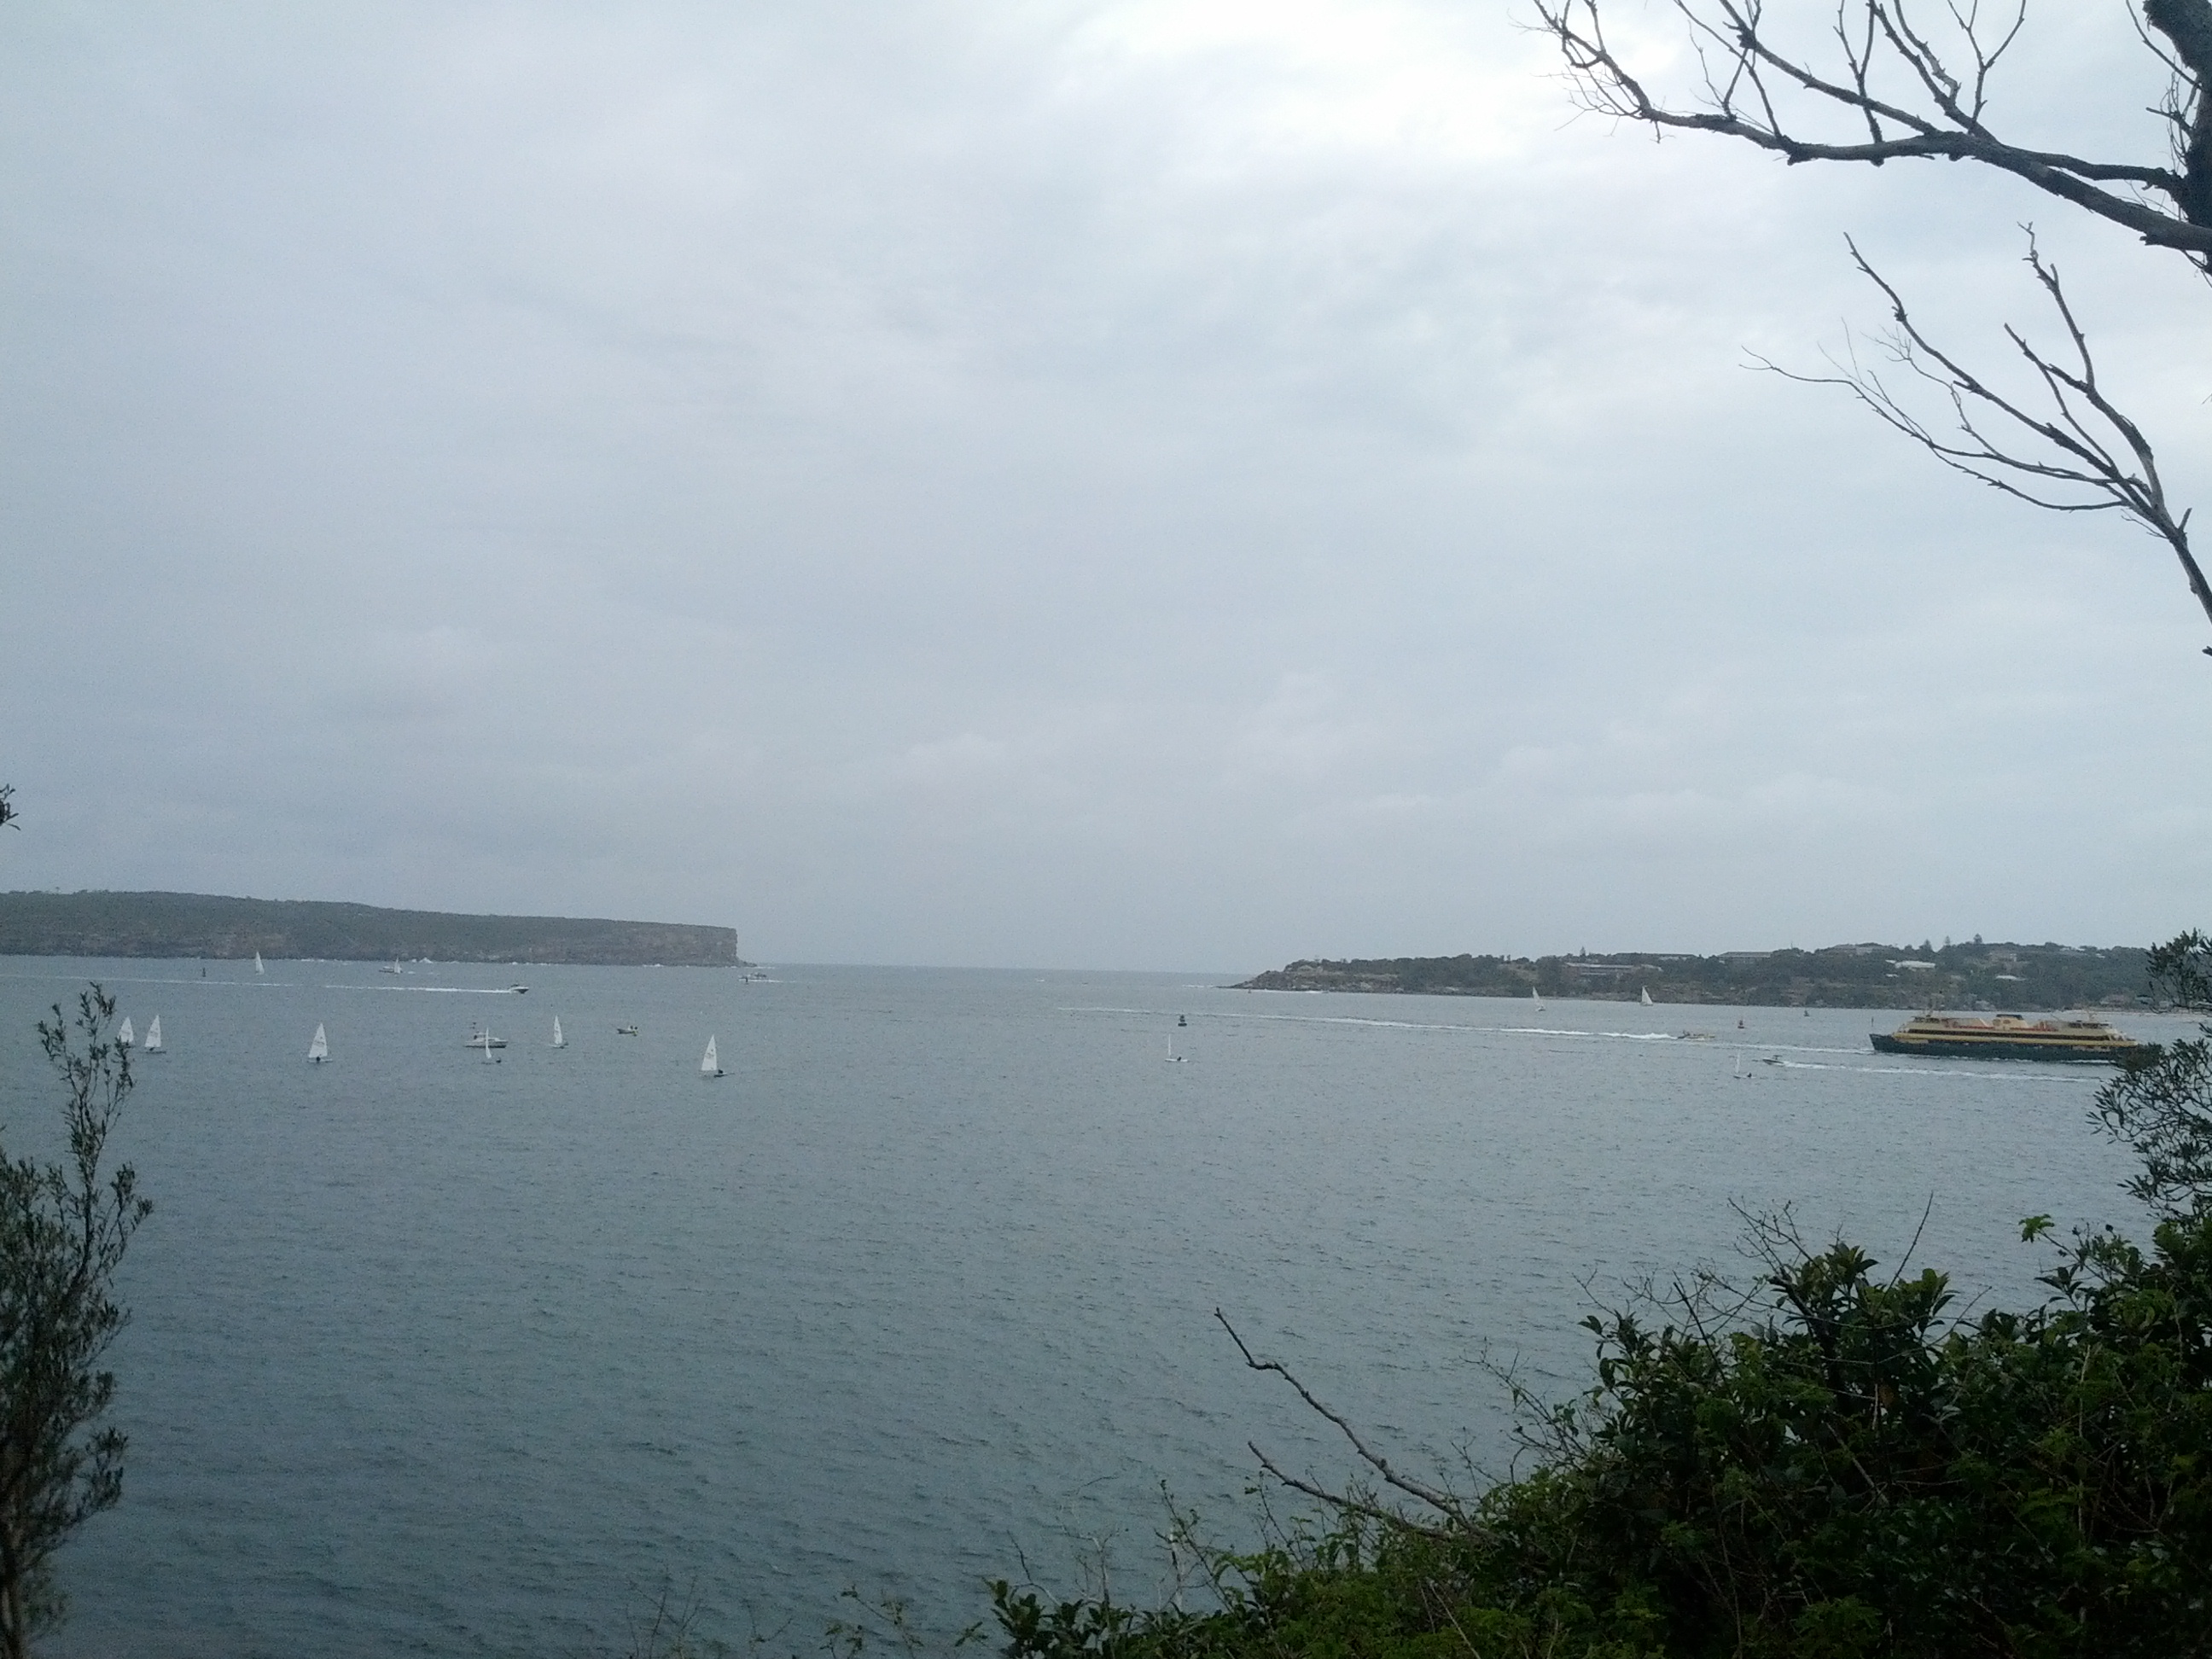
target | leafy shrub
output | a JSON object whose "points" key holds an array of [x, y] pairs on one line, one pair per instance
{"points": [[1846, 1472]]}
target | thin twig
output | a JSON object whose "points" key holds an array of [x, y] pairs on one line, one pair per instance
{"points": [[1443, 1501], [2068, 464]]}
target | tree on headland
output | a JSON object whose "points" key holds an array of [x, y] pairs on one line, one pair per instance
{"points": [[64, 1226], [1876, 81]]}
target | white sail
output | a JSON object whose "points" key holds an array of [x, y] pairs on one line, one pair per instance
{"points": [[154, 1037], [559, 1041], [488, 1045], [258, 968], [123, 1035], [319, 1049], [1536, 997], [1646, 998], [708, 1065]]}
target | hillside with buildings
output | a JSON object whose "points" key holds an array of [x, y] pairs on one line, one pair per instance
{"points": [[2022, 978]]}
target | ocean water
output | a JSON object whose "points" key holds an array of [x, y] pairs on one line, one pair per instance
{"points": [[433, 1355]]}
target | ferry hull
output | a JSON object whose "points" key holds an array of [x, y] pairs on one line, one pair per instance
{"points": [[2011, 1048]]}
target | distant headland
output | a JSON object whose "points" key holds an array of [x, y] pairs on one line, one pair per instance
{"points": [[178, 925], [2024, 978]]}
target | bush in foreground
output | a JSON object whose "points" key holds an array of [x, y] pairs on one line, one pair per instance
{"points": [[1844, 1471]]}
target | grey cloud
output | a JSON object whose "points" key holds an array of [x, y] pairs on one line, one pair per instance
{"points": [[1109, 485]]}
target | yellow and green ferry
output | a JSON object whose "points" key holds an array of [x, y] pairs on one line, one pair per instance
{"points": [[2008, 1036]]}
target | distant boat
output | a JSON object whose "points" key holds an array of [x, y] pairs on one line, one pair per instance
{"points": [[1742, 1071], [520, 990], [625, 1030], [154, 1037], [1645, 996], [258, 968], [559, 1041], [708, 1065], [124, 1037], [489, 1043], [1535, 997], [319, 1049], [1182, 1019], [391, 970], [484, 1039], [1173, 1057]]}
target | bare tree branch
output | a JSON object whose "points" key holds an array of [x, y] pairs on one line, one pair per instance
{"points": [[1443, 1501], [2082, 454], [1938, 111], [1918, 93]]}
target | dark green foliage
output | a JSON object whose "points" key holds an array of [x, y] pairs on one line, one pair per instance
{"points": [[1852, 1473], [63, 1228], [2162, 1104], [1846, 1472]]}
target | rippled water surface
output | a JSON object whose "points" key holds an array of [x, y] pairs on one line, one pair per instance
{"points": [[433, 1355]]}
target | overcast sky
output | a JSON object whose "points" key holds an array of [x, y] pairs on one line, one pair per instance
{"points": [[1118, 484]]}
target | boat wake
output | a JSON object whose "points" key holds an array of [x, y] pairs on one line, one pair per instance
{"points": [[447, 990]]}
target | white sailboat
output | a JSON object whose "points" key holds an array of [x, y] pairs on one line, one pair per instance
{"points": [[125, 1036], [1173, 1057], [559, 1041], [708, 1065], [319, 1049], [258, 968], [1536, 997], [153, 1045], [1644, 997], [489, 1040]]}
